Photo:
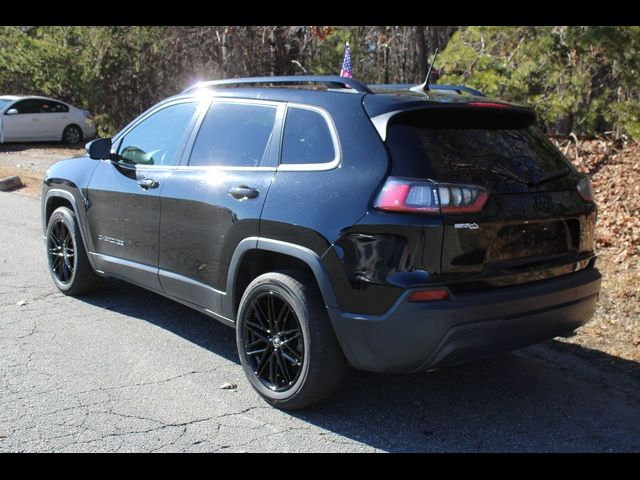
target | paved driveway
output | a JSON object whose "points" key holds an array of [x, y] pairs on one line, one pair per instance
{"points": [[127, 370]]}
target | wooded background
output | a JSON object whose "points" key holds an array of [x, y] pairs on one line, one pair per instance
{"points": [[584, 80]]}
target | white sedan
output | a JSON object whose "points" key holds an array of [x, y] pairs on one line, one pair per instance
{"points": [[24, 119]]}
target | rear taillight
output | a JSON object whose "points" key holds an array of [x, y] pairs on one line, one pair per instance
{"points": [[87, 114], [417, 196], [585, 189]]}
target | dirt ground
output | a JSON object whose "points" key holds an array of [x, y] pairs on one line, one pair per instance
{"points": [[615, 169], [31, 161]]}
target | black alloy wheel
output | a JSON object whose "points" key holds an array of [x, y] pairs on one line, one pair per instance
{"points": [[61, 249], [287, 346], [274, 342], [68, 263]]}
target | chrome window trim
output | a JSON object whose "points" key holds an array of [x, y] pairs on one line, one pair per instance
{"points": [[313, 167], [193, 167]]}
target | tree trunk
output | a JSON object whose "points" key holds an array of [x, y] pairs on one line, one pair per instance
{"points": [[421, 52]]}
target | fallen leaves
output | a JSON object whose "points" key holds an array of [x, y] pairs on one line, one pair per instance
{"points": [[614, 166]]}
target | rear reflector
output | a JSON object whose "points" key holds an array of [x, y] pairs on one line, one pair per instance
{"points": [[429, 295]]}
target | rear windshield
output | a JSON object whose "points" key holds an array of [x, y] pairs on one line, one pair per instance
{"points": [[502, 159]]}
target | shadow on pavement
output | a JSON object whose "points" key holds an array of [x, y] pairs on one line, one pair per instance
{"points": [[542, 398]]}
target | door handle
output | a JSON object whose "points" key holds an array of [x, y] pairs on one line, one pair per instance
{"points": [[147, 183], [242, 192]]}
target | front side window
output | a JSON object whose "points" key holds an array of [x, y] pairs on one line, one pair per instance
{"points": [[156, 139], [307, 138], [4, 103], [234, 135], [28, 106]]}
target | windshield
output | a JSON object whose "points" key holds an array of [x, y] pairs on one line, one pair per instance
{"points": [[505, 160], [4, 102]]}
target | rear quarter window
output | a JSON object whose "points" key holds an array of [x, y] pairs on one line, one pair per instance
{"points": [[307, 138]]}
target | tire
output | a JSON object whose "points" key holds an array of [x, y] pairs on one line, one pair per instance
{"points": [[71, 135], [66, 255], [323, 365]]}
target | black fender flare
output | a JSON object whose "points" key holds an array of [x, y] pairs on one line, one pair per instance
{"points": [[304, 254], [67, 195]]}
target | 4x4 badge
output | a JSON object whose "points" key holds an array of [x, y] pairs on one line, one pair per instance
{"points": [[470, 226]]}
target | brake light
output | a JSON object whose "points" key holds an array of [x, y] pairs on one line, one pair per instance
{"points": [[87, 114], [416, 196], [488, 105], [429, 295]]}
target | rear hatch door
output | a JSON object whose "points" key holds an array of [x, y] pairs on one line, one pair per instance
{"points": [[534, 225]]}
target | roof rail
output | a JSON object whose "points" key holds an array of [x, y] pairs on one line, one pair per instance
{"points": [[332, 81]]}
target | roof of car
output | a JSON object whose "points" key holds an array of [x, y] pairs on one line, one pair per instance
{"points": [[24, 97], [339, 91]]}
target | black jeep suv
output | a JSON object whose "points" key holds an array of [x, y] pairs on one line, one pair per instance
{"points": [[333, 223]]}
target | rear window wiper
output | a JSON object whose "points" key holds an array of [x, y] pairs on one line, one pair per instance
{"points": [[547, 177]]}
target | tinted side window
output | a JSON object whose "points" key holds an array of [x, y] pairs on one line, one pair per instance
{"points": [[53, 107], [155, 140], [307, 138], [234, 135], [28, 106]]}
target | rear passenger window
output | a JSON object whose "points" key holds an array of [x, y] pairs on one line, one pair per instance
{"points": [[53, 107], [307, 138], [234, 135]]}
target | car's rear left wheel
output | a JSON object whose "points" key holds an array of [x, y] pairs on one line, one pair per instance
{"points": [[286, 345]]}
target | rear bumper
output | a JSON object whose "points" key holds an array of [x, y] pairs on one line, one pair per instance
{"points": [[421, 336], [88, 130]]}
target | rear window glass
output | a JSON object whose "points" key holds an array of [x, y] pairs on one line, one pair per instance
{"points": [[509, 160]]}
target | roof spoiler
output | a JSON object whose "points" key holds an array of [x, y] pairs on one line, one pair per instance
{"points": [[432, 86]]}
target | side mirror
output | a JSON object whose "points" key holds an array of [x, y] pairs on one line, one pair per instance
{"points": [[11, 111], [99, 149]]}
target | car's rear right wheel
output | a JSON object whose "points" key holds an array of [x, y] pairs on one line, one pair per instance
{"points": [[286, 344]]}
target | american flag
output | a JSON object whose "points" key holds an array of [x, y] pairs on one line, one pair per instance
{"points": [[346, 63]]}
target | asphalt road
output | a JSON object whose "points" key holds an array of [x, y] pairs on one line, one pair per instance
{"points": [[127, 370]]}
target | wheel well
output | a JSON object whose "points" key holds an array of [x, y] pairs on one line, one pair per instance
{"points": [[256, 262], [53, 203]]}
